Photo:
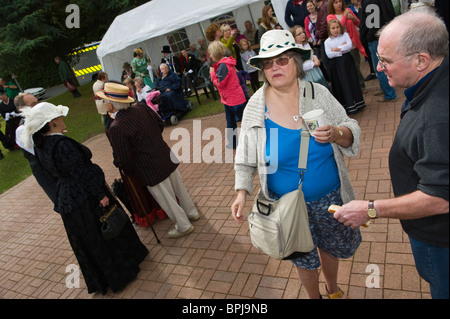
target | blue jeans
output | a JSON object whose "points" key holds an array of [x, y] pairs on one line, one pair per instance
{"points": [[432, 265], [389, 91], [231, 113]]}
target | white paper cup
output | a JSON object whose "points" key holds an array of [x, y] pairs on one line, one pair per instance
{"points": [[314, 119]]}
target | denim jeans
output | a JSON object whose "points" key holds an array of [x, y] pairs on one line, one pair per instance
{"points": [[231, 112], [432, 265], [389, 92]]}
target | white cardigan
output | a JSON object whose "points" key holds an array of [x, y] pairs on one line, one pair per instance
{"points": [[250, 153]]}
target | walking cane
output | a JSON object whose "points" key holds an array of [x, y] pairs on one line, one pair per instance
{"points": [[143, 208]]}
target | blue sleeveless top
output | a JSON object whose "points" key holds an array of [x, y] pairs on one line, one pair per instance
{"points": [[321, 176]]}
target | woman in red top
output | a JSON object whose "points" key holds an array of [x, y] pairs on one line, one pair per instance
{"points": [[337, 9], [310, 24]]}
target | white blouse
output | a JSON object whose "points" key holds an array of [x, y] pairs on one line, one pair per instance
{"points": [[342, 42]]}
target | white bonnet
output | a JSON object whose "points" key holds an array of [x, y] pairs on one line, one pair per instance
{"points": [[37, 116]]}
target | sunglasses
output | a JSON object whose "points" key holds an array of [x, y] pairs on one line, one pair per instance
{"points": [[281, 61]]}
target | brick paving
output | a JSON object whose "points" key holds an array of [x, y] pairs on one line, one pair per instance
{"points": [[217, 260]]}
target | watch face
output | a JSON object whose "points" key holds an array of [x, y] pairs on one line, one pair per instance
{"points": [[372, 213]]}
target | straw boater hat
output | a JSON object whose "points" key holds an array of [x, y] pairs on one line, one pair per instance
{"points": [[275, 42], [37, 116], [115, 92]]}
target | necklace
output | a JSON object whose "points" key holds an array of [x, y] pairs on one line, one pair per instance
{"points": [[294, 117]]}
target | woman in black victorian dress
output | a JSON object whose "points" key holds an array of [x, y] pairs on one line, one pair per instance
{"points": [[81, 193]]}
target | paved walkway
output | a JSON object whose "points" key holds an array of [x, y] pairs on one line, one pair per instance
{"points": [[217, 260]]}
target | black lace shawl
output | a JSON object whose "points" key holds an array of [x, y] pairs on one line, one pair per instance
{"points": [[77, 177]]}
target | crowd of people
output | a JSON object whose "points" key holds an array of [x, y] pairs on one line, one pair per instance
{"points": [[323, 48]]}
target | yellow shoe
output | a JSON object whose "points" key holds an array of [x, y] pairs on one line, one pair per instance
{"points": [[337, 295]]}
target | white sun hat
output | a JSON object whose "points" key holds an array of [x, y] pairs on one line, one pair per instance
{"points": [[275, 42], [37, 116]]}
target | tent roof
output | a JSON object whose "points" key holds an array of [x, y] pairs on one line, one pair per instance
{"points": [[159, 17]]}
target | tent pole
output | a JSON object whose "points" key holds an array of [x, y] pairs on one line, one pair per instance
{"points": [[251, 15], [203, 31], [148, 52]]}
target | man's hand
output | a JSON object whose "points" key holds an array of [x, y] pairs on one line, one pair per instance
{"points": [[353, 214]]}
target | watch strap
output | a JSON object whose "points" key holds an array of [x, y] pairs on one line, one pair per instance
{"points": [[371, 211]]}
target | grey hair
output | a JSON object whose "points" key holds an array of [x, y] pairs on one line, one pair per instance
{"points": [[18, 100], [139, 80], [298, 63], [119, 106], [424, 32]]}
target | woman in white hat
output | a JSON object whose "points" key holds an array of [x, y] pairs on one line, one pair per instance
{"points": [[278, 107], [81, 193]]}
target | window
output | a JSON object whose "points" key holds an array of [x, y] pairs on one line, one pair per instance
{"points": [[227, 18], [178, 41]]}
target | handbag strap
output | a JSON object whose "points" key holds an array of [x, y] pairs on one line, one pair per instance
{"points": [[304, 141], [107, 212]]}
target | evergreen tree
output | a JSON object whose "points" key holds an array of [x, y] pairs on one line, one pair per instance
{"points": [[33, 32]]}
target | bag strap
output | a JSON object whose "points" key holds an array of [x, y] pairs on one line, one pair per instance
{"points": [[304, 141]]}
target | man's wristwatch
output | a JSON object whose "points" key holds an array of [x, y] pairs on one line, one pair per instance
{"points": [[371, 211]]}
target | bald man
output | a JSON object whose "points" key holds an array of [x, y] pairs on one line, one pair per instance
{"points": [[413, 53]]}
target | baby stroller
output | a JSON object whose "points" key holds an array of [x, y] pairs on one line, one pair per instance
{"points": [[169, 114]]}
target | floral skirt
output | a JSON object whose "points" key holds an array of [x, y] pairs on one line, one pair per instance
{"points": [[328, 234]]}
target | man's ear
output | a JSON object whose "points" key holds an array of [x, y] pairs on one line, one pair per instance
{"points": [[423, 61]]}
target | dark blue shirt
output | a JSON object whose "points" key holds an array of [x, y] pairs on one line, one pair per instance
{"points": [[410, 92]]}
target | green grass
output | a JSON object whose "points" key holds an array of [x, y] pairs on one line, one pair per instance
{"points": [[83, 122], [207, 107]]}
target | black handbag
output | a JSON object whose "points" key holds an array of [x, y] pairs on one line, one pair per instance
{"points": [[113, 221]]}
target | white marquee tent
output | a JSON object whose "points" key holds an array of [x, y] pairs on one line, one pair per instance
{"points": [[279, 7], [148, 25]]}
